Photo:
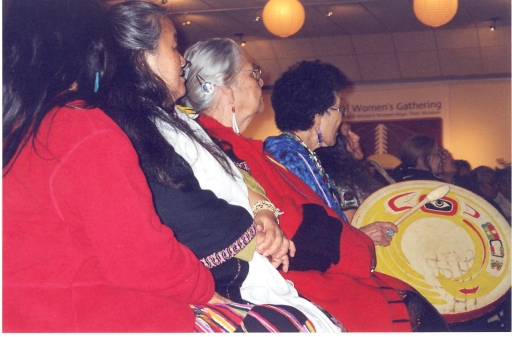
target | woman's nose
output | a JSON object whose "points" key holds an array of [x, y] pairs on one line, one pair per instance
{"points": [[260, 81], [183, 62]]}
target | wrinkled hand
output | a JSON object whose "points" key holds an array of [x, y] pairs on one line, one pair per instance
{"points": [[218, 299], [377, 231], [276, 244]]}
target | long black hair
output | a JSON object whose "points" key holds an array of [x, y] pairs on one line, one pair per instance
{"points": [[345, 170], [48, 47], [138, 96]]}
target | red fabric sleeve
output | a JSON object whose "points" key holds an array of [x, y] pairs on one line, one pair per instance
{"points": [[100, 182]]}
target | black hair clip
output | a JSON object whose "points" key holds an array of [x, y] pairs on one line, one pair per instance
{"points": [[206, 87]]}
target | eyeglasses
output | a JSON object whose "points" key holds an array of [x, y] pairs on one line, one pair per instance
{"points": [[341, 109], [256, 72], [186, 65]]}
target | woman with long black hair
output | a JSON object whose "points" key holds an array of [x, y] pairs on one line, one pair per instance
{"points": [[83, 249], [221, 232]]}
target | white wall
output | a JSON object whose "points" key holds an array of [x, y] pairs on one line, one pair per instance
{"points": [[479, 125]]}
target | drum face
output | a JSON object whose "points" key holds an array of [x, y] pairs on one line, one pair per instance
{"points": [[454, 251]]}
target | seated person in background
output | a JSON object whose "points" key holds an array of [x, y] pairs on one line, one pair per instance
{"points": [[503, 197], [422, 159], [463, 167], [461, 176], [449, 166], [482, 181], [455, 171], [333, 260], [176, 154], [343, 163]]}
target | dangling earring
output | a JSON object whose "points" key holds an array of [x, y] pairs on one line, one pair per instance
{"points": [[235, 125], [97, 82], [319, 132]]}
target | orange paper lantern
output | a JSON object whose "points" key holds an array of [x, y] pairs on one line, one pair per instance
{"points": [[435, 13], [283, 17]]}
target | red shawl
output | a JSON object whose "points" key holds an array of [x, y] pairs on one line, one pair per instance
{"points": [[362, 300]]}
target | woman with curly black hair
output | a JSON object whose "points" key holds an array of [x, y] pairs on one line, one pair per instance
{"points": [[308, 110]]}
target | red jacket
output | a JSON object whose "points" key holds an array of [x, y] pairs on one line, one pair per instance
{"points": [[362, 300], [83, 249]]}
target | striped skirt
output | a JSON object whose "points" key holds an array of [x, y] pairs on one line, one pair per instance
{"points": [[235, 317]]}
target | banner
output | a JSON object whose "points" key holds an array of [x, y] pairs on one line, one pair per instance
{"points": [[421, 102], [383, 119]]}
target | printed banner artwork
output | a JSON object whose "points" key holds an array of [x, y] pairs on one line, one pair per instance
{"points": [[385, 118], [400, 104]]}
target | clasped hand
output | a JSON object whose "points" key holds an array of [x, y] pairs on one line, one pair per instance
{"points": [[271, 241]]}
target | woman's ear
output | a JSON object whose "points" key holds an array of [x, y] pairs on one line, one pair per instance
{"points": [[227, 93], [317, 121]]}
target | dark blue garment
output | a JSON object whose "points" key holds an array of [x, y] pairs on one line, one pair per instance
{"points": [[295, 158], [403, 173]]}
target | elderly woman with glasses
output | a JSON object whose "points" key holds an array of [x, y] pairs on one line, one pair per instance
{"points": [[196, 190], [308, 103], [332, 263], [422, 159], [308, 110]]}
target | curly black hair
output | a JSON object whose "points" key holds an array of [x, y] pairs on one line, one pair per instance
{"points": [[304, 90]]}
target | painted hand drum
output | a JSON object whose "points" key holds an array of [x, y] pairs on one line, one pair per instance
{"points": [[455, 251]]}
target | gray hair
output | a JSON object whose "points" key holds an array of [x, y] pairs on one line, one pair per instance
{"points": [[216, 61]]}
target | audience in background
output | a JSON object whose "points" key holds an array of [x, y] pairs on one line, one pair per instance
{"points": [[450, 168], [463, 168], [482, 181], [422, 159], [503, 197], [344, 163]]}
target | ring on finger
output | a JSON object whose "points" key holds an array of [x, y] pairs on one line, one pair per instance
{"points": [[390, 232]]}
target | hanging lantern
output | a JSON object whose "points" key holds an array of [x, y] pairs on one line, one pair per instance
{"points": [[283, 17], [435, 13]]}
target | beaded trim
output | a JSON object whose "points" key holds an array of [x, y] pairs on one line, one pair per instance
{"points": [[263, 204], [312, 155], [216, 259], [244, 166]]}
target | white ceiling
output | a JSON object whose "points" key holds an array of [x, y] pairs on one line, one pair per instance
{"points": [[369, 40]]}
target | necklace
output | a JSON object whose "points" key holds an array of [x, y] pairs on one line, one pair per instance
{"points": [[316, 161]]}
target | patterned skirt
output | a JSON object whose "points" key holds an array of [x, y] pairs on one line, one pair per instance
{"points": [[235, 317]]}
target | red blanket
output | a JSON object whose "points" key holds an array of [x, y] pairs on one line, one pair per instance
{"points": [[362, 300]]}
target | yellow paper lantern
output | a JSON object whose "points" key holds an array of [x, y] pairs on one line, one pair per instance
{"points": [[435, 13], [283, 17]]}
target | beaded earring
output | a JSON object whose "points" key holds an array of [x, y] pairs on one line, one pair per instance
{"points": [[97, 82], [235, 125], [319, 132]]}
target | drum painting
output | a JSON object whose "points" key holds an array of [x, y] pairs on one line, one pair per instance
{"points": [[455, 251]]}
